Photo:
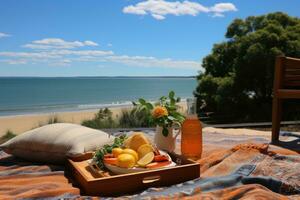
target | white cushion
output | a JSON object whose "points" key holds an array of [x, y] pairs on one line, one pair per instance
{"points": [[55, 143]]}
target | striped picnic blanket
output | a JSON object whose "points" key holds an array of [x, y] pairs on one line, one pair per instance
{"points": [[233, 166]]}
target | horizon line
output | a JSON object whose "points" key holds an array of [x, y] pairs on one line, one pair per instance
{"points": [[192, 76]]}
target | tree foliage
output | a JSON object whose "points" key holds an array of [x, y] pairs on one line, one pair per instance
{"points": [[238, 77]]}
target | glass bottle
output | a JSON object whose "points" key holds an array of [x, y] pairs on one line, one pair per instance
{"points": [[191, 138]]}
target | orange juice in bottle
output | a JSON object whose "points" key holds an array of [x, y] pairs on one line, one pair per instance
{"points": [[191, 137]]}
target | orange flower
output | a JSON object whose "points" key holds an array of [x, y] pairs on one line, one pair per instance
{"points": [[159, 111]]}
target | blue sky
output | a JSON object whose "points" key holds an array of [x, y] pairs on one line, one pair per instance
{"points": [[118, 37]]}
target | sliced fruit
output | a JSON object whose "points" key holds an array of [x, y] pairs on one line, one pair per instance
{"points": [[126, 160], [146, 159], [111, 161], [117, 151], [155, 165], [109, 155], [132, 152], [156, 151], [160, 158], [136, 140], [144, 149]]}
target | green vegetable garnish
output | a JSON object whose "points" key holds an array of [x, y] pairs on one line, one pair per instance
{"points": [[99, 154]]}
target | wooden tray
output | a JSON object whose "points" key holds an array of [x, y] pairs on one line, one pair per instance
{"points": [[94, 185]]}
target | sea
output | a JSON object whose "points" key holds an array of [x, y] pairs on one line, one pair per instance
{"points": [[21, 96]]}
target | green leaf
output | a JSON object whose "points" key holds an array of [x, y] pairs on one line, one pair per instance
{"points": [[172, 107], [163, 98], [178, 116], [171, 94], [172, 102], [142, 101], [165, 132], [149, 106], [133, 103], [171, 118], [142, 108]]}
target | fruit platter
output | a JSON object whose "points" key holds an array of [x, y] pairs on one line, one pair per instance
{"points": [[132, 162], [129, 155]]}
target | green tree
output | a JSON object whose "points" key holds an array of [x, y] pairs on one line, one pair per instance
{"points": [[238, 77]]}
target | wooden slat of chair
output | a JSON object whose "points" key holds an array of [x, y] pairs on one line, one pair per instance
{"points": [[286, 86], [288, 94]]}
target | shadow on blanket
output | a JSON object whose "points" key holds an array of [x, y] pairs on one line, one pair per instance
{"points": [[293, 144]]}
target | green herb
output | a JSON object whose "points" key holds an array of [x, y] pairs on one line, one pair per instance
{"points": [[99, 154]]}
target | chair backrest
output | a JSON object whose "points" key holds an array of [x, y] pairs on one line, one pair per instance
{"points": [[287, 73]]}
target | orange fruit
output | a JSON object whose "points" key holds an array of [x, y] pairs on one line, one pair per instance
{"points": [[146, 159], [136, 140], [131, 152], [126, 160], [144, 149], [117, 151], [111, 161], [161, 158], [108, 155]]}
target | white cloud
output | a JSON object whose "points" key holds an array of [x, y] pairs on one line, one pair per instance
{"points": [[218, 15], [158, 9], [4, 35], [109, 45], [80, 52], [64, 62], [29, 55], [223, 7], [143, 61], [90, 43], [57, 43], [135, 9], [158, 17], [53, 57], [14, 62], [66, 57], [57, 52]]}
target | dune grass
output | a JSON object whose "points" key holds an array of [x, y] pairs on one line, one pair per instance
{"points": [[133, 118], [51, 120], [127, 119], [8, 135], [102, 119]]}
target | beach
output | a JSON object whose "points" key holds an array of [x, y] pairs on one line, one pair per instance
{"points": [[21, 123], [27, 103]]}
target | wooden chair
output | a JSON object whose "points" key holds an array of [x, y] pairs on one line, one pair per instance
{"points": [[286, 86]]}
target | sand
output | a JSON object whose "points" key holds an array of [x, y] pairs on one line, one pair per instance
{"points": [[21, 123]]}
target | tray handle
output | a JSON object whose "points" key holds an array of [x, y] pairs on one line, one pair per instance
{"points": [[151, 179]]}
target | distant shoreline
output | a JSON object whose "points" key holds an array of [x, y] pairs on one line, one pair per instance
{"points": [[110, 106], [98, 77]]}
